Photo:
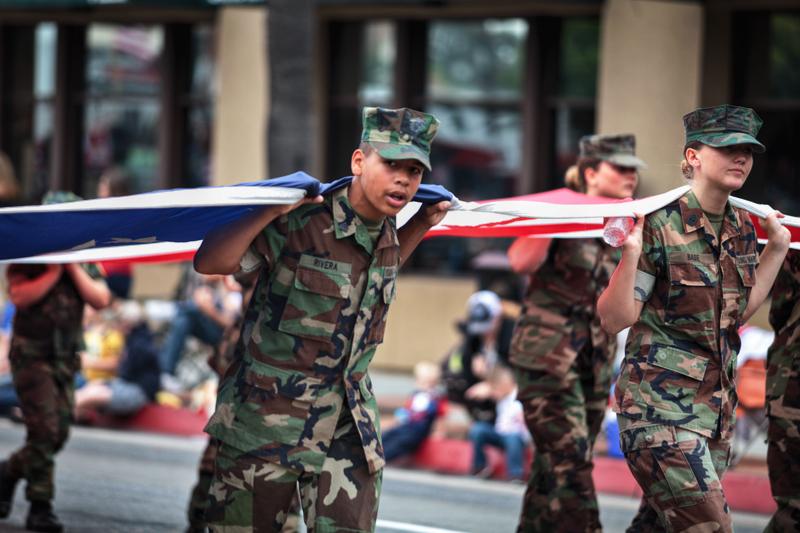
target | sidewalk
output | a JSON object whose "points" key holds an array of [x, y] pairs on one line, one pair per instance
{"points": [[746, 485]]}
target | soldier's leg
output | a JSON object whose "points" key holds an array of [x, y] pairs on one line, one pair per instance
{"points": [[248, 493], [678, 473], [198, 500], [46, 399], [596, 370], [344, 497], [784, 473], [560, 494]]}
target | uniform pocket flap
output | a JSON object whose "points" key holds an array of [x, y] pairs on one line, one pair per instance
{"points": [[748, 274], [276, 381], [693, 270], [637, 438], [332, 283], [679, 361]]}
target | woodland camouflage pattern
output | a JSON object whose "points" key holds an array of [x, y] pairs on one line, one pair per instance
{"points": [[562, 358], [723, 125], [783, 397], [400, 133], [317, 314], [617, 149], [680, 357], [44, 349], [679, 472]]}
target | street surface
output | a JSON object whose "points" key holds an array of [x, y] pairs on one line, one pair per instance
{"points": [[113, 481]]}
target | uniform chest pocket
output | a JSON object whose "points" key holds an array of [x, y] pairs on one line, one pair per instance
{"points": [[314, 304], [385, 294], [691, 296], [746, 265]]}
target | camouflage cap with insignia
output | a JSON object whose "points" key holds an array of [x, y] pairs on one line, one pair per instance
{"points": [[723, 125], [616, 149], [60, 197], [400, 133]]}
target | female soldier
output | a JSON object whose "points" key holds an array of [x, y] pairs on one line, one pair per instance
{"points": [[561, 356], [686, 281]]}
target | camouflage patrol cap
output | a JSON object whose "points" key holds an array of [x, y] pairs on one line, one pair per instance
{"points": [[616, 149], [723, 125], [400, 133], [60, 197]]}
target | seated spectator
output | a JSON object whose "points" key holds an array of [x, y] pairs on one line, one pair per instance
{"points": [[137, 379], [104, 344], [414, 421], [209, 307], [508, 433], [8, 394], [476, 354]]}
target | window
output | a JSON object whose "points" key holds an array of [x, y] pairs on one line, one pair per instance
{"points": [[766, 75], [513, 95], [44, 83], [200, 110], [122, 107]]}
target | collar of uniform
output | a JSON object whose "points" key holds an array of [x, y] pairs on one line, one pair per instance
{"points": [[692, 214], [695, 218], [346, 221]]}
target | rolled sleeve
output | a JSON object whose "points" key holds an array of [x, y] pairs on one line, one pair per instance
{"points": [[643, 286]]}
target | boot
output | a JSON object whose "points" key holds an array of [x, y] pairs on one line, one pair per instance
{"points": [[42, 518], [7, 486]]}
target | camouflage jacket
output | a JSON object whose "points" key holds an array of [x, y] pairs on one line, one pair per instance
{"points": [[559, 317], [680, 357], [783, 358], [51, 328], [315, 318]]}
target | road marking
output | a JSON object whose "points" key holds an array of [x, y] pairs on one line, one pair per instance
{"points": [[402, 526]]}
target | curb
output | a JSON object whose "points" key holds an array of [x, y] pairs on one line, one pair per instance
{"points": [[744, 491]]}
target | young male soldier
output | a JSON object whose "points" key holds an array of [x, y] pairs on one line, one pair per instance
{"points": [[46, 337], [783, 397], [295, 408]]}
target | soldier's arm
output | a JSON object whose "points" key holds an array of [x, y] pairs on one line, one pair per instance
{"points": [[617, 307], [223, 247], [769, 264], [528, 254], [412, 233], [24, 292], [94, 292]]}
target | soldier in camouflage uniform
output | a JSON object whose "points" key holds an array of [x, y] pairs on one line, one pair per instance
{"points": [[561, 355], [689, 277], [296, 407], [783, 397], [47, 334]]}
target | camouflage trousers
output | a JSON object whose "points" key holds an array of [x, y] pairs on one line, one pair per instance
{"points": [[784, 473], [680, 473], [198, 500], [46, 394], [564, 414], [251, 494]]}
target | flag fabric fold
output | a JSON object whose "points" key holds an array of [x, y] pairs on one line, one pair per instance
{"points": [[170, 225]]}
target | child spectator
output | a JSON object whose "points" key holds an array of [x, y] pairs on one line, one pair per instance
{"points": [[472, 360], [416, 418], [104, 344], [137, 379], [508, 433]]}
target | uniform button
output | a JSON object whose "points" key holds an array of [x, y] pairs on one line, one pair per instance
{"points": [[649, 438]]}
